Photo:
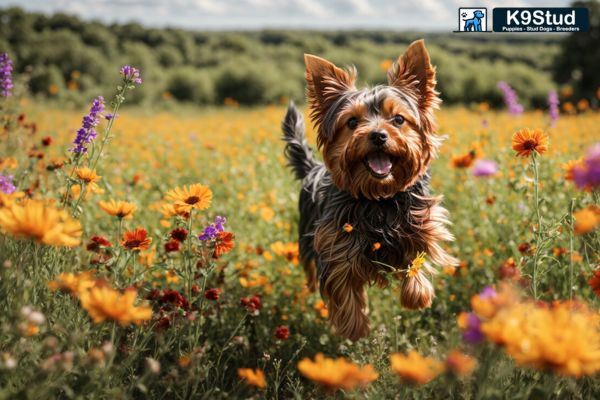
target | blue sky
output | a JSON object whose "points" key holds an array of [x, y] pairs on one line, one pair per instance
{"points": [[426, 15]]}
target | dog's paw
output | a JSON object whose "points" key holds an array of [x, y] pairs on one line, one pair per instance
{"points": [[417, 292]]}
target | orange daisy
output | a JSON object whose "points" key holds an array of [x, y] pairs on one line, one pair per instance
{"points": [[525, 142], [254, 377], [136, 240], [118, 208], [187, 198]]}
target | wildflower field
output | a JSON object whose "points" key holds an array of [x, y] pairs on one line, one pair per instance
{"points": [[154, 254]]}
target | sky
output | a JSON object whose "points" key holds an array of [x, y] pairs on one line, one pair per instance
{"points": [[401, 15]]}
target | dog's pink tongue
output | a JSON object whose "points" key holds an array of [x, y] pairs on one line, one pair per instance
{"points": [[380, 163]]}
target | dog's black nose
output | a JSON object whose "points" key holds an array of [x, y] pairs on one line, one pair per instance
{"points": [[378, 138]]}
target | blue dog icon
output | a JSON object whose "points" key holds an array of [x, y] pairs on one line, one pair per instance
{"points": [[474, 24]]}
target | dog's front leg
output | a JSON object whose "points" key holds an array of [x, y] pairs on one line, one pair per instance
{"points": [[343, 280]]}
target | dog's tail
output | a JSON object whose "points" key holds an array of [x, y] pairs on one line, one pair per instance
{"points": [[297, 151]]}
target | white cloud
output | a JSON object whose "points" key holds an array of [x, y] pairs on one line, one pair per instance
{"points": [[255, 14]]}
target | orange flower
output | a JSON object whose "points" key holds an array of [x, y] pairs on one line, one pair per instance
{"points": [[119, 209], [187, 198], [73, 283], [460, 363], [289, 251], [223, 245], [254, 377], [463, 160], [524, 142], [104, 303], [347, 228], [136, 240], [570, 166], [415, 368], [586, 219], [337, 373]]}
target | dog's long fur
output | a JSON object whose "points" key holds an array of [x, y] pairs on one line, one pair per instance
{"points": [[397, 212]]}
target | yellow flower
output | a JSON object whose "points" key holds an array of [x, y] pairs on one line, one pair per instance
{"points": [[347, 228], [415, 368], [524, 142], [187, 198], [416, 265], [337, 373], [73, 283], [42, 222], [254, 377], [107, 304], [119, 209]]}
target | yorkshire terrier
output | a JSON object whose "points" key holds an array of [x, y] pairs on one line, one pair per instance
{"points": [[366, 208]]}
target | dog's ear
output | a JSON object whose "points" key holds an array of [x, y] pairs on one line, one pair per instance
{"points": [[414, 74], [325, 84]]}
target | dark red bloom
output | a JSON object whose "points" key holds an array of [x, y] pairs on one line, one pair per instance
{"points": [[212, 294], [195, 289], [171, 246], [510, 270], [169, 297], [97, 242], [251, 303], [47, 141], [525, 249], [282, 332], [179, 234]]}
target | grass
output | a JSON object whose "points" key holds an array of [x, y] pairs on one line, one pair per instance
{"points": [[238, 154]]}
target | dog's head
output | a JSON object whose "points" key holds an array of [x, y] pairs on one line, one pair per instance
{"points": [[478, 14], [376, 141]]}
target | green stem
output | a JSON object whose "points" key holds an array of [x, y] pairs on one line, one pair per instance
{"points": [[571, 221], [538, 233]]}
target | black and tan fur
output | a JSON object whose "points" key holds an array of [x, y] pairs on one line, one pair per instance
{"points": [[393, 208]]}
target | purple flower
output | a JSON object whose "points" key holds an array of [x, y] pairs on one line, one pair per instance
{"points": [[6, 67], [510, 98], [488, 293], [6, 184], [212, 230], [484, 168], [472, 334], [87, 132], [110, 116], [587, 175], [131, 74]]}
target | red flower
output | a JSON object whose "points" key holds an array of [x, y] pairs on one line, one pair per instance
{"points": [[594, 282], [171, 246], [212, 294], [251, 303], [169, 297], [282, 332], [47, 141], [510, 270], [179, 234], [223, 245], [97, 242], [526, 249]]}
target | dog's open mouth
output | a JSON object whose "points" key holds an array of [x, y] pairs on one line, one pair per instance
{"points": [[379, 164]]}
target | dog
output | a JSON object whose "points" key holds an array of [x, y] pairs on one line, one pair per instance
{"points": [[474, 24], [366, 208]]}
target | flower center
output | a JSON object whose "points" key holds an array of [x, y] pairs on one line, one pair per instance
{"points": [[132, 243], [192, 200], [529, 144]]}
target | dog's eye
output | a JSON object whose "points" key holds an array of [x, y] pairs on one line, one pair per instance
{"points": [[352, 123], [398, 120]]}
